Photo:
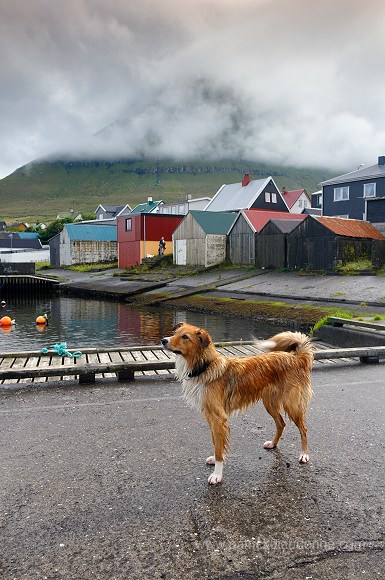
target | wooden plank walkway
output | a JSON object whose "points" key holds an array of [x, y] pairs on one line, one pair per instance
{"points": [[125, 363]]}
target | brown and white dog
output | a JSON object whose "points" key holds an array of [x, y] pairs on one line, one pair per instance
{"points": [[219, 386]]}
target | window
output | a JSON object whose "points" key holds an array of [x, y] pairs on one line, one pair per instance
{"points": [[270, 197], [341, 193], [300, 203], [128, 224], [369, 190]]}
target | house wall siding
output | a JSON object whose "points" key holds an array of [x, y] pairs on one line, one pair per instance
{"points": [[376, 211], [270, 248], [242, 242], [215, 249], [260, 202], [354, 207], [93, 252]]}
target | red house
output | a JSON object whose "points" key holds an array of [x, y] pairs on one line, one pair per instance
{"points": [[139, 235]]}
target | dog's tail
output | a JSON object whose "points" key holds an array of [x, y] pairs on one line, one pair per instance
{"points": [[293, 342]]}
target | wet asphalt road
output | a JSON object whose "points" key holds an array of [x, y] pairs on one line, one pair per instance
{"points": [[110, 482]]}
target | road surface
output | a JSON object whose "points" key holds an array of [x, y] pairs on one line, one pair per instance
{"points": [[110, 482]]}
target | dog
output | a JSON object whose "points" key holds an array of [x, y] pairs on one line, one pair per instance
{"points": [[219, 386]]}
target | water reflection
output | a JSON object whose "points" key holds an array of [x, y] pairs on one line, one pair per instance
{"points": [[95, 323]]}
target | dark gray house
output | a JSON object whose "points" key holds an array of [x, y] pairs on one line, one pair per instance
{"points": [[248, 194], [347, 195], [321, 243]]}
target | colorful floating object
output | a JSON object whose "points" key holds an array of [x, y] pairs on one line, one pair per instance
{"points": [[6, 321], [42, 319]]}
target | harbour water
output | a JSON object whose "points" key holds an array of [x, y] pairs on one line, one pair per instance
{"points": [[95, 323]]}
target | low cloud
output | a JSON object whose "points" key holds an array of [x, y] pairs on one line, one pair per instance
{"points": [[296, 83]]}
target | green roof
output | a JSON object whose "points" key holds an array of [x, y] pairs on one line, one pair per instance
{"points": [[213, 222], [91, 232], [145, 207]]}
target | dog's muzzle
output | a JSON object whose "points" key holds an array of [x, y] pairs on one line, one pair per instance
{"points": [[165, 345]]}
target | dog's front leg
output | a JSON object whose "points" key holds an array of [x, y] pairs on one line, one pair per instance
{"points": [[220, 432]]}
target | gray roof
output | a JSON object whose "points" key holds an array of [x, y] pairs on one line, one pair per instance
{"points": [[286, 226], [112, 211], [373, 171], [234, 197], [18, 243]]}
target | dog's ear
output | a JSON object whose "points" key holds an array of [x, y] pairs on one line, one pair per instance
{"points": [[204, 337], [178, 325]]}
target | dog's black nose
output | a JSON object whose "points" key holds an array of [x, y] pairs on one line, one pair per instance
{"points": [[164, 340]]}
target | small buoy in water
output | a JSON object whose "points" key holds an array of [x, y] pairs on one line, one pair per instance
{"points": [[3, 303], [6, 321], [42, 319]]}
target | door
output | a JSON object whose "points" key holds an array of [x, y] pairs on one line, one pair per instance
{"points": [[180, 252]]}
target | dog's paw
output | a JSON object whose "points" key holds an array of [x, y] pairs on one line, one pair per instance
{"points": [[214, 479], [210, 460], [304, 458], [269, 445]]}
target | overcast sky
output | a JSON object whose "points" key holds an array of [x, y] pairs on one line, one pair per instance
{"points": [[294, 82]]}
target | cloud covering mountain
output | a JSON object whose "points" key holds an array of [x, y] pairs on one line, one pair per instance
{"points": [[286, 81]]}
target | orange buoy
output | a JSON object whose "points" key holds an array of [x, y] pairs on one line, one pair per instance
{"points": [[41, 320], [6, 321]]}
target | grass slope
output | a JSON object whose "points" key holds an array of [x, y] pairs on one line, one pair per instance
{"points": [[41, 189]]}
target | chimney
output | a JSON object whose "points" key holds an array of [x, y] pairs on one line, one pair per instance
{"points": [[381, 160], [149, 200], [284, 190], [246, 179]]}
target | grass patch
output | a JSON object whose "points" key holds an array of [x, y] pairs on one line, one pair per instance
{"points": [[92, 267], [352, 267], [42, 266]]}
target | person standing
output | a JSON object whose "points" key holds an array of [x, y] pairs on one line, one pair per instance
{"points": [[162, 246]]}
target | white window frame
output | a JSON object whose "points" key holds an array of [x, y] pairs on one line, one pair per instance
{"points": [[373, 190], [128, 224], [267, 197], [273, 198], [341, 193]]}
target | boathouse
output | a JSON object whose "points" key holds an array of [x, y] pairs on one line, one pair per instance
{"points": [[322, 243], [243, 233], [200, 239], [83, 244], [271, 243]]}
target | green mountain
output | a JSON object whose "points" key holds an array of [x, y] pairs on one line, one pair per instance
{"points": [[42, 189]]}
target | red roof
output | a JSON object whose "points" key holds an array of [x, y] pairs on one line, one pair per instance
{"points": [[291, 196], [258, 218], [349, 227]]}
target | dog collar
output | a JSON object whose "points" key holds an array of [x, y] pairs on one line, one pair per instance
{"points": [[198, 371]]}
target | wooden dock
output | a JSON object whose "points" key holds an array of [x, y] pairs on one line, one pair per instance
{"points": [[126, 363]]}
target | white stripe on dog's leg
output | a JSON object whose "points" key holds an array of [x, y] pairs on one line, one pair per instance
{"points": [[210, 460], [216, 476]]}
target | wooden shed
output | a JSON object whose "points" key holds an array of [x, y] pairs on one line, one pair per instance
{"points": [[200, 239], [243, 233], [321, 243], [271, 243]]}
